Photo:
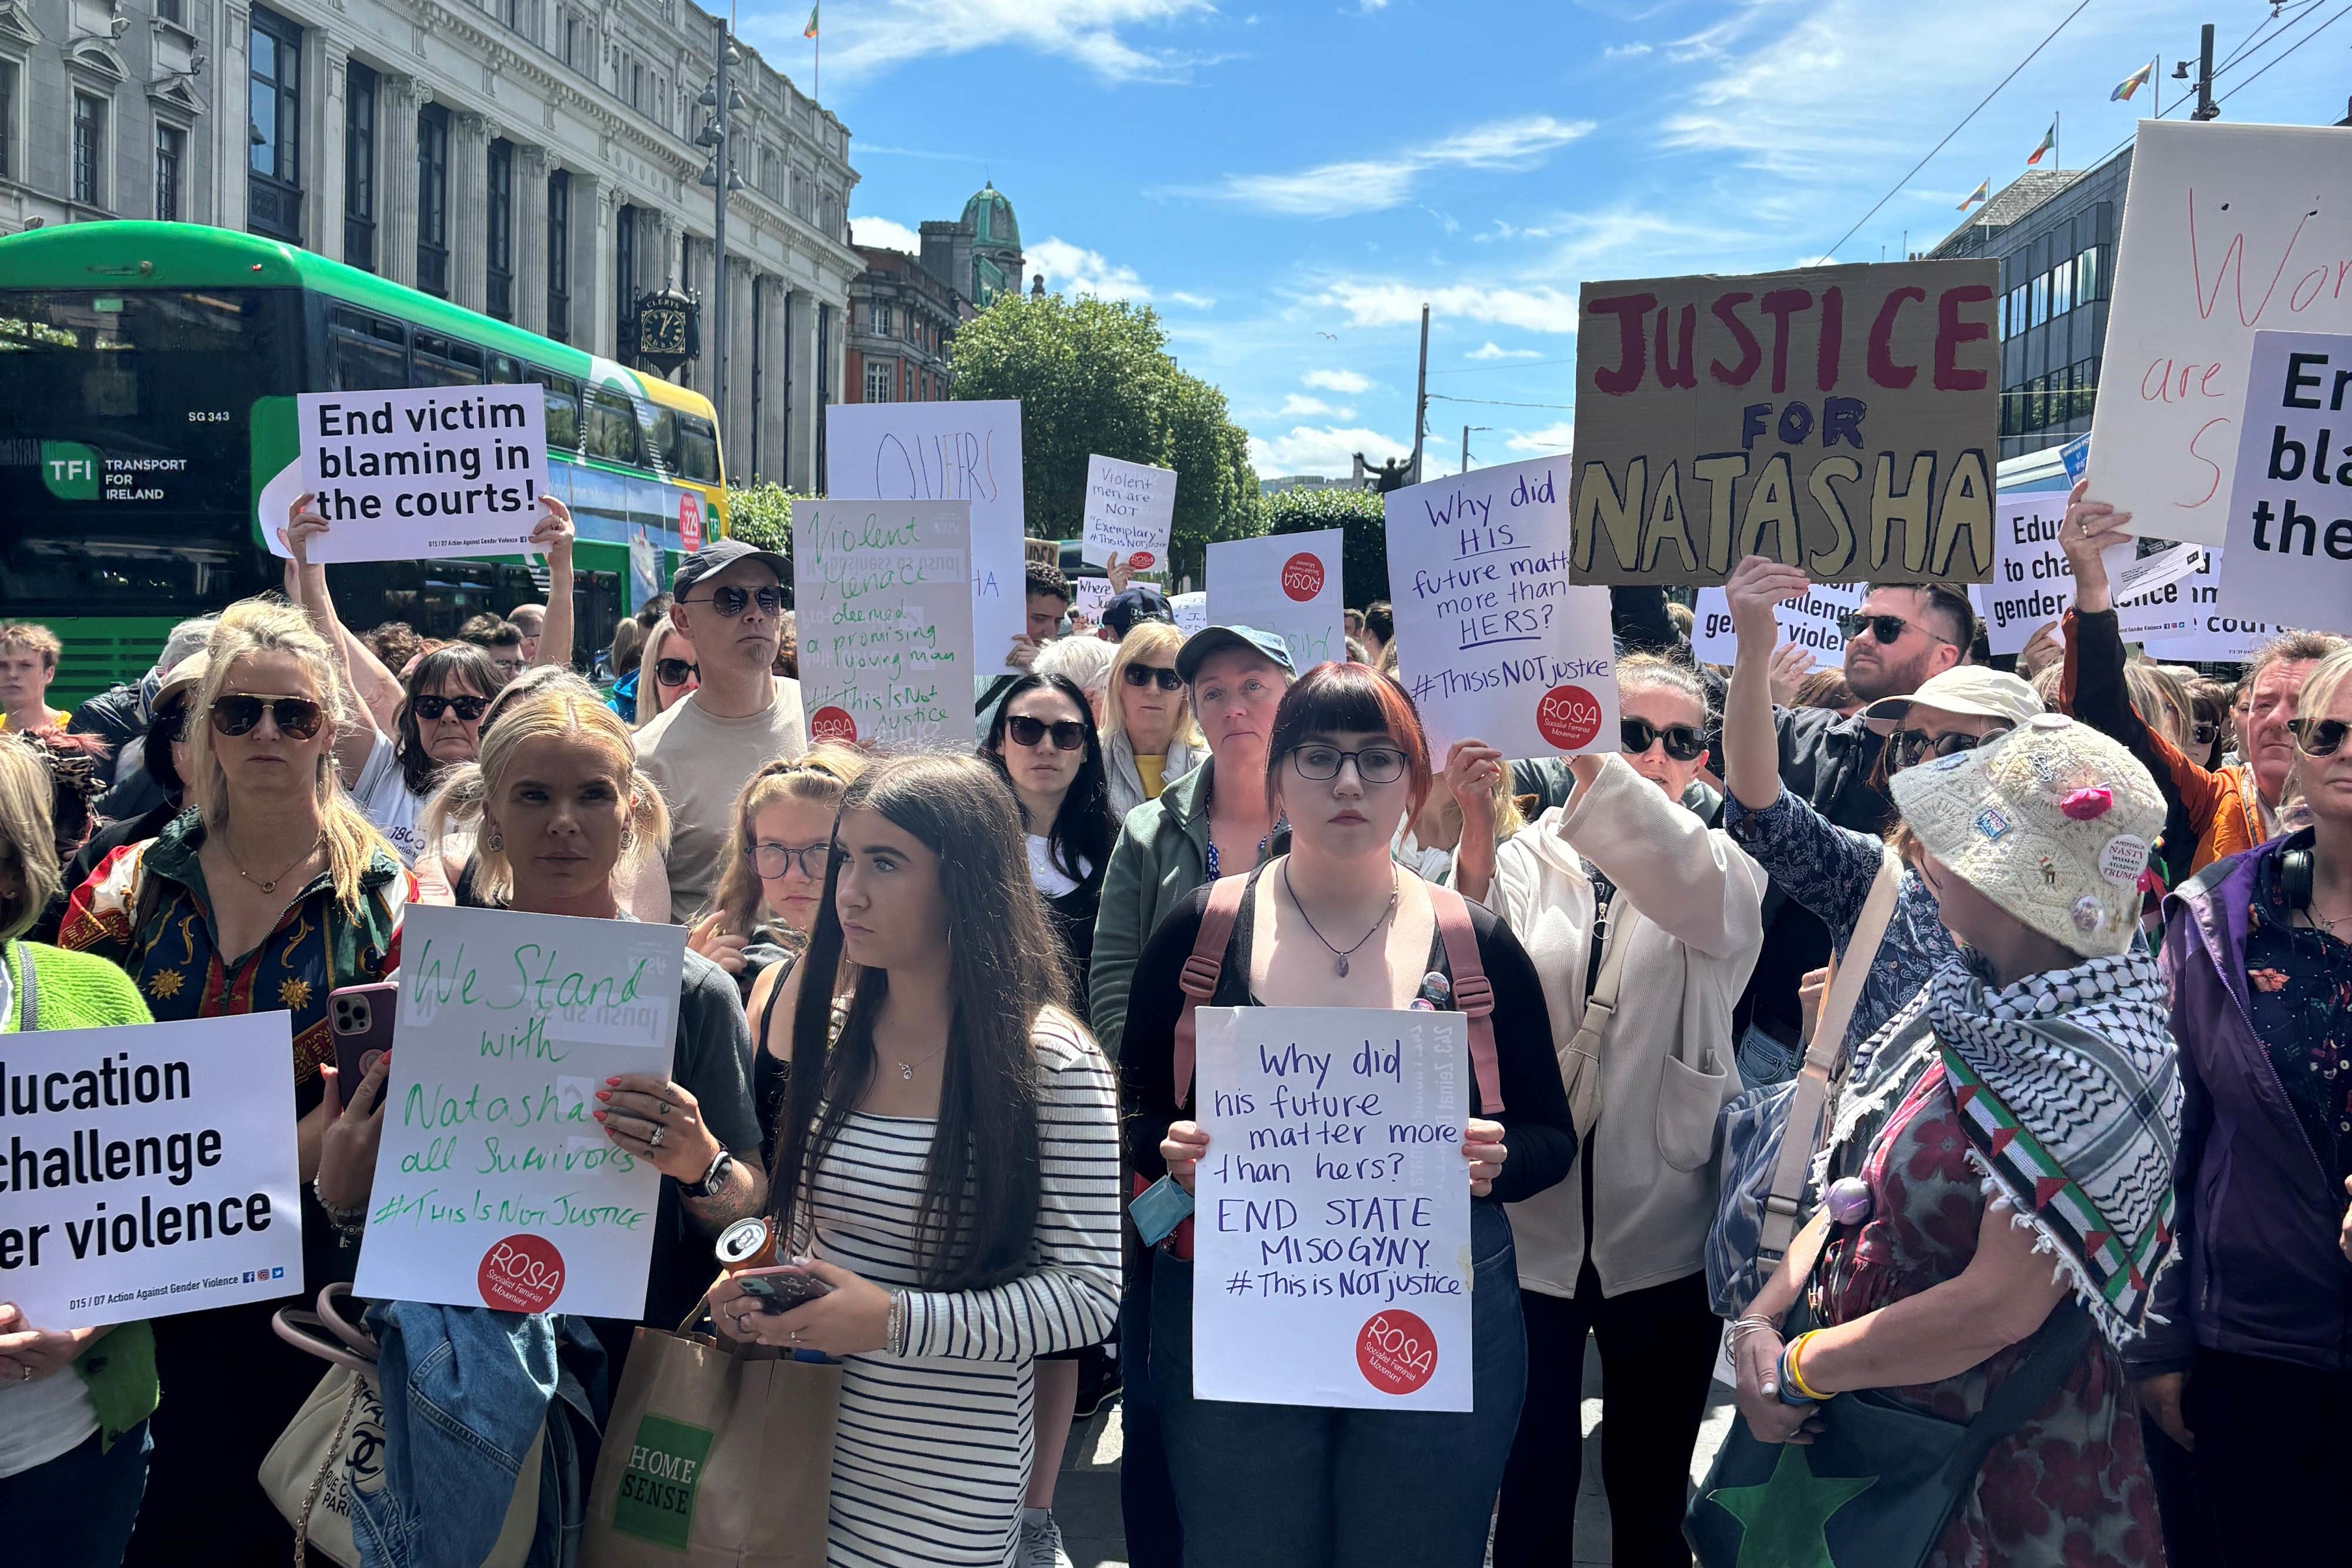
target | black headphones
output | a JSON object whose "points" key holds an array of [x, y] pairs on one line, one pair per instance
{"points": [[2294, 879]]}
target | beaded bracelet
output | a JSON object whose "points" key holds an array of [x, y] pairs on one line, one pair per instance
{"points": [[346, 1221]]}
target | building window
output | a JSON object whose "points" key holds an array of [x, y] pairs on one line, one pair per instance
{"points": [[171, 157], [625, 274], [89, 149], [2086, 276], [501, 239], [433, 198], [358, 166], [274, 111], [2037, 297], [559, 255], [877, 318], [171, 11], [881, 381], [572, 42], [9, 77], [636, 85], [2062, 287]]}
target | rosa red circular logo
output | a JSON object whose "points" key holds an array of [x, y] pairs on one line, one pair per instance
{"points": [[1567, 717], [1142, 560], [832, 724], [521, 1274], [690, 523], [1302, 576], [1396, 1352]]}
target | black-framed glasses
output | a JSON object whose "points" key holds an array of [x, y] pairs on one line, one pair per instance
{"points": [[1168, 680], [235, 713], [774, 860], [1374, 763], [468, 710], [676, 672], [732, 602], [2205, 731], [1684, 742], [1068, 733], [1887, 628], [1913, 746], [2319, 736]]}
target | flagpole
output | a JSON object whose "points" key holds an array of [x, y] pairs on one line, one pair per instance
{"points": [[2057, 158]]}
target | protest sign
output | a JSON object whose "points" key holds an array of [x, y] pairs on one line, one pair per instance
{"points": [[2176, 608], [1493, 642], [150, 1169], [495, 1185], [885, 612], [2290, 522], [2031, 582], [946, 452], [1192, 611], [1093, 597], [1287, 584], [2229, 230], [431, 471], [1331, 1242], [1842, 419], [1811, 622], [1130, 511]]}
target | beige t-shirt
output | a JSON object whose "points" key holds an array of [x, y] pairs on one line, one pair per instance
{"points": [[701, 763]]}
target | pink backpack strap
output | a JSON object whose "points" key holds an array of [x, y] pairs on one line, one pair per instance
{"points": [[1473, 995], [1203, 967]]}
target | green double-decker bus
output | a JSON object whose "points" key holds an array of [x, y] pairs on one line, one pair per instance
{"points": [[147, 382]]}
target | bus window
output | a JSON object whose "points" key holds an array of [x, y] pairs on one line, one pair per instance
{"points": [[695, 455], [365, 353], [613, 428], [445, 362], [505, 370], [563, 408], [661, 434]]}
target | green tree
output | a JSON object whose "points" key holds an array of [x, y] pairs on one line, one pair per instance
{"points": [[1364, 556], [762, 516]]}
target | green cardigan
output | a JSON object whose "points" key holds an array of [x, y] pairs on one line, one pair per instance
{"points": [[76, 990]]}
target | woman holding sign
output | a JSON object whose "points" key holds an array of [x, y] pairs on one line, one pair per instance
{"points": [[1335, 922]]}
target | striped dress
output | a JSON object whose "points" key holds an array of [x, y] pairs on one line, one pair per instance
{"points": [[932, 1454]]}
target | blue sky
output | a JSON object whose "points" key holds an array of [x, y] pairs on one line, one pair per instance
{"points": [[1287, 183]]}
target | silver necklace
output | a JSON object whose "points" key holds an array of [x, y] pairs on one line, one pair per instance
{"points": [[1336, 953], [907, 1068]]}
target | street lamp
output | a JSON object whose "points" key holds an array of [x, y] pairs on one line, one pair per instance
{"points": [[719, 97]]}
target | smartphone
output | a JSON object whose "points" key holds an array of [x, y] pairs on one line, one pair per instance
{"points": [[362, 1017], [1158, 1209], [781, 1290]]}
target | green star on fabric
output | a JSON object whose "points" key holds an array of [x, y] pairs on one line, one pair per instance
{"points": [[1786, 1518]]}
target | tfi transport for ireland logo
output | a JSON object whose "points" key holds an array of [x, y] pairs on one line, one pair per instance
{"points": [[70, 469]]}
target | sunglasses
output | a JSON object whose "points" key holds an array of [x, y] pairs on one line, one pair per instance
{"points": [[431, 709], [1684, 743], [774, 860], [732, 602], [1374, 763], [676, 672], [2205, 732], [1068, 733], [297, 718], [1887, 628], [2319, 736], [1913, 746], [1147, 675]]}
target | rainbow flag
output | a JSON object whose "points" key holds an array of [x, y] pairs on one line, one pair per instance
{"points": [[1982, 193], [810, 31], [2132, 83], [2049, 139]]}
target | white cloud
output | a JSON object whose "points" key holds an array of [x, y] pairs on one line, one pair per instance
{"points": [[1298, 406], [1328, 450], [1539, 309], [1347, 381], [1490, 350], [1197, 301], [1369, 7], [1074, 269], [1551, 438], [867, 39], [1370, 185], [885, 234], [1625, 51]]}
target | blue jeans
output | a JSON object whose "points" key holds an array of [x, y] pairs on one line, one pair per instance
{"points": [[76, 1511], [1290, 1486]]}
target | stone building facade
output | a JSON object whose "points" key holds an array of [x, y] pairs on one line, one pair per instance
{"points": [[902, 323], [531, 158]]}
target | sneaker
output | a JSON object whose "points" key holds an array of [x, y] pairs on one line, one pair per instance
{"points": [[1041, 1541]]}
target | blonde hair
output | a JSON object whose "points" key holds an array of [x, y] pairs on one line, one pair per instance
{"points": [[27, 833], [27, 637], [251, 628], [2159, 698], [555, 711], [2320, 690], [1649, 670], [821, 776], [649, 706], [1148, 637]]}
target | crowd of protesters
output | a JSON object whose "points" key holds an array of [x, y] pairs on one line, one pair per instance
{"points": [[931, 1009]]}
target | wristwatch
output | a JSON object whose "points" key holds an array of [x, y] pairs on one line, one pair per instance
{"points": [[714, 1180]]}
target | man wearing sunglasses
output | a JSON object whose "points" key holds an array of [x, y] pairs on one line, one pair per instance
{"points": [[728, 599]]}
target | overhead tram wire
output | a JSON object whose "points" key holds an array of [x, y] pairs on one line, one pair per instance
{"points": [[1498, 402], [1955, 130], [2187, 98], [2283, 53]]}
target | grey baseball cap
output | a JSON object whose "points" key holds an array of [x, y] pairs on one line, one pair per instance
{"points": [[717, 557], [1210, 641]]}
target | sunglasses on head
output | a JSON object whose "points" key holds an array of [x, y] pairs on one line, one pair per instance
{"points": [[431, 709], [676, 672], [1913, 746], [1146, 675], [236, 713], [2319, 736], [1068, 733], [732, 602], [1684, 743], [1887, 628]]}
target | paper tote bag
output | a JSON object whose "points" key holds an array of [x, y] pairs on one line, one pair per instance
{"points": [[713, 1460]]}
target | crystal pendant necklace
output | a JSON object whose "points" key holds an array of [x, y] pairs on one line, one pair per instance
{"points": [[1337, 953]]}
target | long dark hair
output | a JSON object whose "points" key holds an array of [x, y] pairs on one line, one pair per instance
{"points": [[474, 672], [1080, 834], [977, 1220]]}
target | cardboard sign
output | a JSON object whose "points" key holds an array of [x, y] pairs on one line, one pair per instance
{"points": [[495, 1185], [431, 471], [2229, 230], [1285, 583], [1811, 622], [1331, 1242], [2290, 538], [1493, 641], [2031, 582], [148, 1169], [946, 452], [1844, 419], [885, 618], [1130, 512]]}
